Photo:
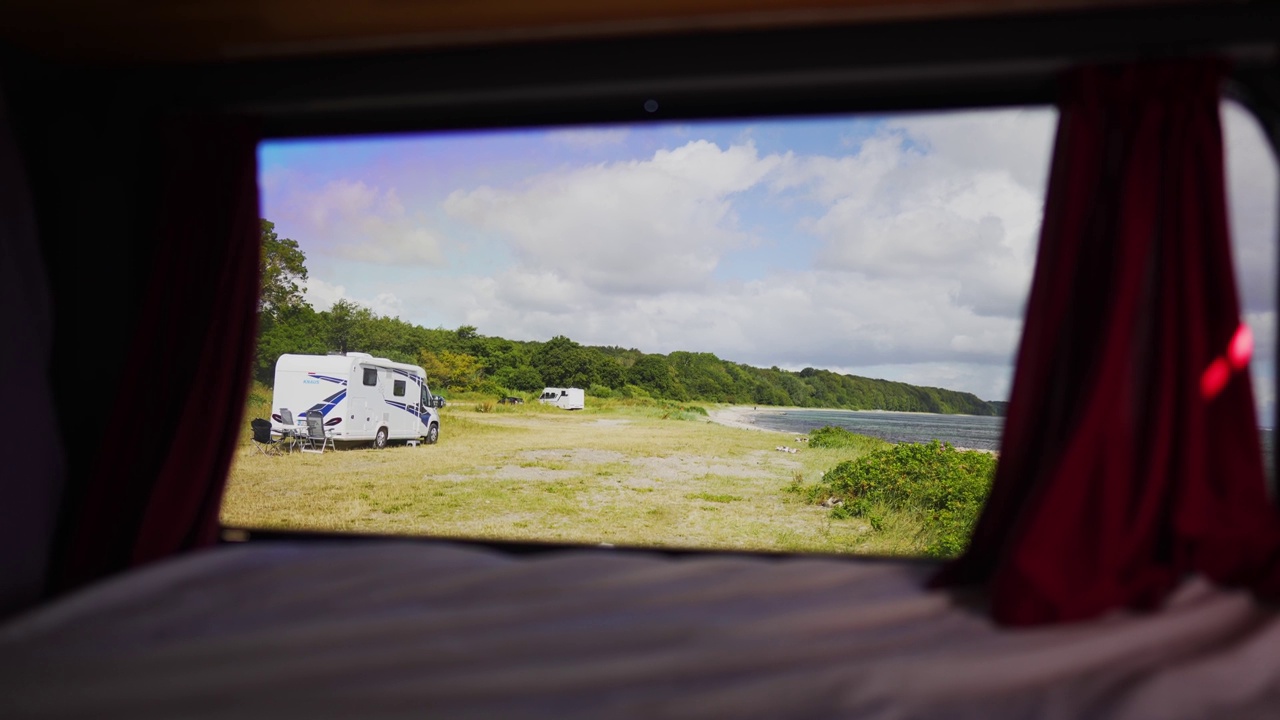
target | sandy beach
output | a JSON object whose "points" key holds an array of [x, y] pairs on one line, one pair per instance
{"points": [[742, 417]]}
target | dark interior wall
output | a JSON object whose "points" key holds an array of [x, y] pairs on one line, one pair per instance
{"points": [[892, 66], [89, 153]]}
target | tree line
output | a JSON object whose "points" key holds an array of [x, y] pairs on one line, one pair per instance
{"points": [[463, 360]]}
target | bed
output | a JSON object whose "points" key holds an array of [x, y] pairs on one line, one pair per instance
{"points": [[410, 629]]}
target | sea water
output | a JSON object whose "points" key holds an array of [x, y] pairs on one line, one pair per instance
{"points": [[963, 431]]}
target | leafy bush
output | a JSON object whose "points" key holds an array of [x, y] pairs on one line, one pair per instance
{"points": [[942, 487], [676, 411], [633, 391], [831, 436]]}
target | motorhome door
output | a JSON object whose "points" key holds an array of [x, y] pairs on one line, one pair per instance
{"points": [[365, 400]]}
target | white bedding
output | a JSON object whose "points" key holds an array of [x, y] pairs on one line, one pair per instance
{"points": [[431, 630]]}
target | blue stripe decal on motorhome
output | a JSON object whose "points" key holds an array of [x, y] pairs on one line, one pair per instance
{"points": [[340, 381], [417, 379], [411, 409], [327, 404]]}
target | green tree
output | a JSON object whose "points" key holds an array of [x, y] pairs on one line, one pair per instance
{"points": [[345, 319], [457, 371], [654, 374], [284, 273], [523, 378], [564, 363], [298, 330]]}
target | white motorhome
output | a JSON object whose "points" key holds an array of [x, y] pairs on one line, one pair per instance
{"points": [[362, 398], [566, 398]]}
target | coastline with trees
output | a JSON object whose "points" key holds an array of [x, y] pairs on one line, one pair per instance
{"points": [[463, 360]]}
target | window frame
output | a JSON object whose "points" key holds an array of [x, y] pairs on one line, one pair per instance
{"points": [[903, 66]]}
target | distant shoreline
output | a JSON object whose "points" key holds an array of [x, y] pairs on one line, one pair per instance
{"points": [[744, 416]]}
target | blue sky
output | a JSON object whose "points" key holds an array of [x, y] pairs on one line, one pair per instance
{"points": [[897, 247]]}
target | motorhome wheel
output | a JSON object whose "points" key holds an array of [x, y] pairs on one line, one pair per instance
{"points": [[433, 434], [380, 440]]}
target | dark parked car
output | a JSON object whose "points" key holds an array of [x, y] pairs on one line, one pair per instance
{"points": [[511, 401]]}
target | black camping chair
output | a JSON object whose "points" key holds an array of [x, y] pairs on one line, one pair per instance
{"points": [[262, 439]]}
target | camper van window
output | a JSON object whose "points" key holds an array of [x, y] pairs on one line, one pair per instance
{"points": [[854, 285]]}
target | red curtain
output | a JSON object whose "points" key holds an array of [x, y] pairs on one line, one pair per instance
{"points": [[1131, 454], [156, 484]]}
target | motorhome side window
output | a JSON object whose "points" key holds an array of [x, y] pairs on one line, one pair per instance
{"points": [[862, 278]]}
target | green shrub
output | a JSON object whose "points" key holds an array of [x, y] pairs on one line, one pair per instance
{"points": [[831, 436], [676, 411], [944, 488], [632, 391]]}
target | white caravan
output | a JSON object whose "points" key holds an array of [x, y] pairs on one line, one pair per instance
{"points": [[566, 398], [362, 398]]}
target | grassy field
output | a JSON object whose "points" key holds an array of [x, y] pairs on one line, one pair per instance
{"points": [[626, 474]]}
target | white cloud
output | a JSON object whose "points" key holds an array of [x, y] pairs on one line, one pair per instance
{"points": [[358, 222], [986, 380], [589, 138], [1251, 204], [957, 198], [322, 295], [646, 226], [623, 253]]}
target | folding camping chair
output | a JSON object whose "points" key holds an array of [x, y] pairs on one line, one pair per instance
{"points": [[291, 433], [316, 433], [262, 439]]}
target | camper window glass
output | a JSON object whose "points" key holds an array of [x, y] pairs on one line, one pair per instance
{"points": [[850, 285], [398, 388]]}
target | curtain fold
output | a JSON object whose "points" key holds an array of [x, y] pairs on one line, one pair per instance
{"points": [[31, 482], [156, 484], [1131, 454]]}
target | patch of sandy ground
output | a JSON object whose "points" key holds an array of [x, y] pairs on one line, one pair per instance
{"points": [[645, 471], [739, 416]]}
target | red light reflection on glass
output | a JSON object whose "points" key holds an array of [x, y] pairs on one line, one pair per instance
{"points": [[1236, 358]]}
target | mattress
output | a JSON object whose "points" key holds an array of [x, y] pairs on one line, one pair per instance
{"points": [[434, 630]]}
